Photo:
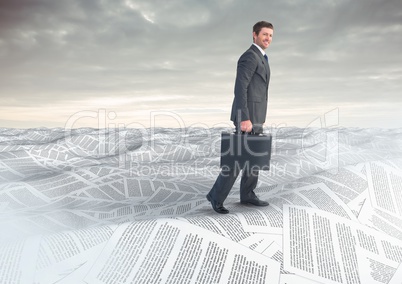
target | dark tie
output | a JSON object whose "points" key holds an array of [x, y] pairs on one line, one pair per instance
{"points": [[266, 57]]}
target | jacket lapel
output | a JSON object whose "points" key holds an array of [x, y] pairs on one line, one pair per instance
{"points": [[262, 59]]}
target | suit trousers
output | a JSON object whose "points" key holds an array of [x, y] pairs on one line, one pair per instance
{"points": [[227, 178]]}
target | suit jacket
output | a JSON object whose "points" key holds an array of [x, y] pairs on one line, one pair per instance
{"points": [[251, 89]]}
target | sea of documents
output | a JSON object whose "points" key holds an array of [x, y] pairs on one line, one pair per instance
{"points": [[128, 206]]}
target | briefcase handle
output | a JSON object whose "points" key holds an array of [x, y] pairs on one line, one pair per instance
{"points": [[249, 133]]}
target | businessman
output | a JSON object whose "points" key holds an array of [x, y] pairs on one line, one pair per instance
{"points": [[249, 110]]}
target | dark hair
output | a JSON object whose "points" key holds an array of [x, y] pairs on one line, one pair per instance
{"points": [[262, 24]]}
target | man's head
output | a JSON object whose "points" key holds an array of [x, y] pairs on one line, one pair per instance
{"points": [[262, 34]]}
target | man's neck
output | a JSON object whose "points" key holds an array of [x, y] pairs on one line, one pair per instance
{"points": [[262, 51]]}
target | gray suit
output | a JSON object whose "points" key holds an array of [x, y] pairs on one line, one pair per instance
{"points": [[250, 103], [251, 89]]}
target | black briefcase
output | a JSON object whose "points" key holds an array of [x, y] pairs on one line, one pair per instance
{"points": [[245, 151]]}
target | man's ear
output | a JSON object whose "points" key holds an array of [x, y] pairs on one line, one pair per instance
{"points": [[254, 36]]}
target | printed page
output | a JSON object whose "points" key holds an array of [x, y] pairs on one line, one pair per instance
{"points": [[165, 250], [259, 242], [348, 182], [373, 268], [356, 204], [269, 219], [56, 248], [70, 270], [322, 246], [275, 252], [227, 225], [385, 187], [176, 209], [380, 220]]}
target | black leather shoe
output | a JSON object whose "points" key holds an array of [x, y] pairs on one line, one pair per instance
{"points": [[254, 201], [217, 206]]}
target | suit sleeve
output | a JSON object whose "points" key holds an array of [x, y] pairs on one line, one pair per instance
{"points": [[246, 67]]}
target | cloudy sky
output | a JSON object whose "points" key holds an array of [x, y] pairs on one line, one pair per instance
{"points": [[172, 63]]}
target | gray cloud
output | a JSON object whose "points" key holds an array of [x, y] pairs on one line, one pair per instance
{"points": [[324, 53]]}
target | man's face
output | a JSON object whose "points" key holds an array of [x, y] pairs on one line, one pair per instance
{"points": [[264, 38]]}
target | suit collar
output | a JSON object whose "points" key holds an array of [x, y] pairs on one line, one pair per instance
{"points": [[259, 49]]}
